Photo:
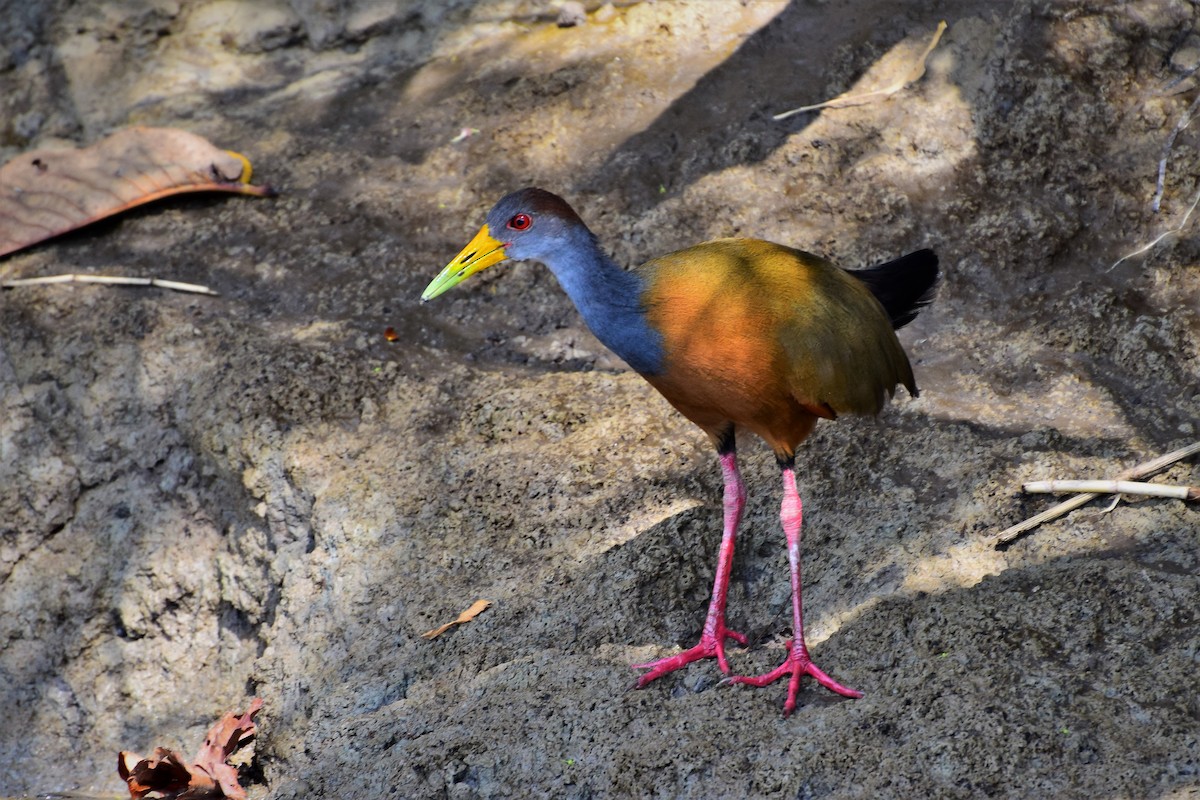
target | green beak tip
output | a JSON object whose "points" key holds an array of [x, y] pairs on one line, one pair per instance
{"points": [[445, 280]]}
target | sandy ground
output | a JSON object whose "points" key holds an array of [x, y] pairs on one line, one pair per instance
{"points": [[209, 499]]}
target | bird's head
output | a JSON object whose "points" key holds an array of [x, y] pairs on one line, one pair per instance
{"points": [[527, 224]]}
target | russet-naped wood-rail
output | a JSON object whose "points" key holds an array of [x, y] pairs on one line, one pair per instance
{"points": [[736, 334]]}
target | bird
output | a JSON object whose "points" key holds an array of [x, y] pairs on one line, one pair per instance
{"points": [[739, 335]]}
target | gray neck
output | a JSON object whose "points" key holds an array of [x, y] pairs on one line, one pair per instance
{"points": [[608, 299]]}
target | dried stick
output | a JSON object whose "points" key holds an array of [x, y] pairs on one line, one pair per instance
{"points": [[1113, 487], [844, 101], [1160, 184], [1136, 473], [1160, 237], [178, 286]]}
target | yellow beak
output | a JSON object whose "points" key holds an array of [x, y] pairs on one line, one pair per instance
{"points": [[481, 253]]}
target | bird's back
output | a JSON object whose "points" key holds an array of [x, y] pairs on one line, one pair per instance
{"points": [[767, 337]]}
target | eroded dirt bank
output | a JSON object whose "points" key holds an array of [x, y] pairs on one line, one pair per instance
{"points": [[206, 499]]}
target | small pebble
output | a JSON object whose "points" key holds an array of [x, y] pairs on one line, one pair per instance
{"points": [[571, 14]]}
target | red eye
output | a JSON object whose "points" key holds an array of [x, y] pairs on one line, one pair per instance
{"points": [[520, 222]]}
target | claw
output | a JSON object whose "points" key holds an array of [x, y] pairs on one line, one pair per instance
{"points": [[711, 645], [796, 664]]}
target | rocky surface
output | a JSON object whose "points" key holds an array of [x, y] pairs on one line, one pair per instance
{"points": [[206, 499]]}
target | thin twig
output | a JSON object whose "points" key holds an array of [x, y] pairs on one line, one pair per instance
{"points": [[844, 101], [178, 286], [1113, 487], [1135, 473], [1161, 236], [1160, 184]]}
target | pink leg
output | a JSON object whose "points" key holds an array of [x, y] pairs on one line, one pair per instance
{"points": [[712, 640], [797, 662]]}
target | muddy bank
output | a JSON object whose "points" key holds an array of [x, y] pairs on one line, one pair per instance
{"points": [[209, 499]]}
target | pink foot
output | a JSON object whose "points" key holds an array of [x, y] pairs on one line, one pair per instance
{"points": [[797, 663], [711, 644]]}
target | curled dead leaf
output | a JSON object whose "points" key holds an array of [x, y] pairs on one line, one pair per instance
{"points": [[471, 613], [165, 771], [45, 193], [168, 775], [914, 73]]}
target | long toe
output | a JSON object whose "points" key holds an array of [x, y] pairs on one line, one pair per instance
{"points": [[710, 646], [795, 666]]}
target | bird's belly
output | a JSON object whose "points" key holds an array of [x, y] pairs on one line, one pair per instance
{"points": [[745, 393]]}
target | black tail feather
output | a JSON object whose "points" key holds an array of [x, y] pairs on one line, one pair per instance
{"points": [[904, 286]]}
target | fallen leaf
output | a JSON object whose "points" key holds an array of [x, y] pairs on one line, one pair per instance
{"points": [[226, 737], [165, 771], [168, 775], [471, 613], [915, 71], [45, 193]]}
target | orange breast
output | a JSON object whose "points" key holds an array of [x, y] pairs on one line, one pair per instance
{"points": [[765, 337]]}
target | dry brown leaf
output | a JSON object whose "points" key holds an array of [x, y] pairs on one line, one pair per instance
{"points": [[45, 193], [471, 613], [169, 776], [230, 733], [164, 771], [847, 100]]}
